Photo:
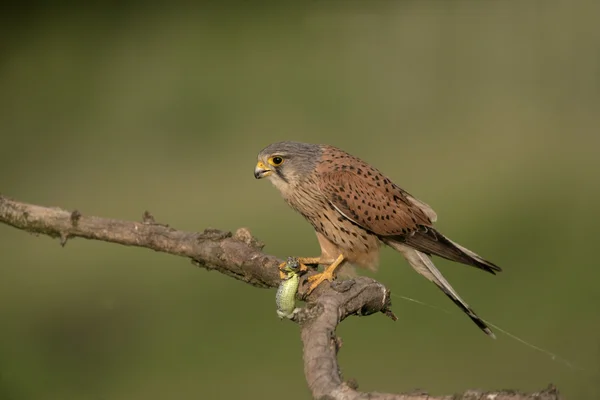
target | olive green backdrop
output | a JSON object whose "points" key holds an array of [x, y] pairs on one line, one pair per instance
{"points": [[488, 111]]}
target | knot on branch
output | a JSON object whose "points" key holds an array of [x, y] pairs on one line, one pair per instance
{"points": [[244, 235]]}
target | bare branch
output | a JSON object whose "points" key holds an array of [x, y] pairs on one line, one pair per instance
{"points": [[362, 296], [240, 256]]}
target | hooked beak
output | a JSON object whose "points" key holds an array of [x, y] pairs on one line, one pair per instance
{"points": [[261, 170]]}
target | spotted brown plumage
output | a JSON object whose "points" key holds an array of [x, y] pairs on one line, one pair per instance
{"points": [[354, 208]]}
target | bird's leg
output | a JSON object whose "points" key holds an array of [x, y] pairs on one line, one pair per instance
{"points": [[304, 261], [328, 274]]}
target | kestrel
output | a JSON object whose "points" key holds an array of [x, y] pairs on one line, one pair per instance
{"points": [[354, 208]]}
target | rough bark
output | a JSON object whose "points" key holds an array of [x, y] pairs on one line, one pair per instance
{"points": [[240, 256]]}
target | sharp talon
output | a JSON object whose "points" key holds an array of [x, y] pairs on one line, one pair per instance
{"points": [[292, 263], [327, 275], [301, 262], [282, 274], [318, 279]]}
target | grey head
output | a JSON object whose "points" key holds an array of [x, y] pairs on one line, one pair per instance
{"points": [[287, 163]]}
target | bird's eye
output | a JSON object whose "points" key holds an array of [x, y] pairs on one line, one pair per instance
{"points": [[276, 161]]}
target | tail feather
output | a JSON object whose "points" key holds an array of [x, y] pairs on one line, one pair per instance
{"points": [[432, 242], [424, 266]]}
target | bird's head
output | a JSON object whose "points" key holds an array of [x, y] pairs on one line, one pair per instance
{"points": [[286, 164]]}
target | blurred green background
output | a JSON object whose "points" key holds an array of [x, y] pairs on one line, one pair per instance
{"points": [[488, 111]]}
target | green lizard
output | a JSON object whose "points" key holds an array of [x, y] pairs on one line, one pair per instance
{"points": [[286, 293]]}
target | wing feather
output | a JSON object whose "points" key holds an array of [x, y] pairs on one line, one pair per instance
{"points": [[374, 202]]}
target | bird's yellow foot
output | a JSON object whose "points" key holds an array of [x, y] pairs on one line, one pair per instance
{"points": [[282, 274], [327, 275], [301, 261], [317, 279]]}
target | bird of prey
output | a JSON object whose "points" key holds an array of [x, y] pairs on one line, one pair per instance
{"points": [[354, 208]]}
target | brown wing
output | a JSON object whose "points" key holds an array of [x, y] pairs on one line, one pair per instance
{"points": [[364, 195], [371, 200]]}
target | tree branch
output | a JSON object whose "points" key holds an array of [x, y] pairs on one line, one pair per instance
{"points": [[240, 256]]}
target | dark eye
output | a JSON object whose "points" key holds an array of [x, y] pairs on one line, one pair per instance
{"points": [[276, 160]]}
